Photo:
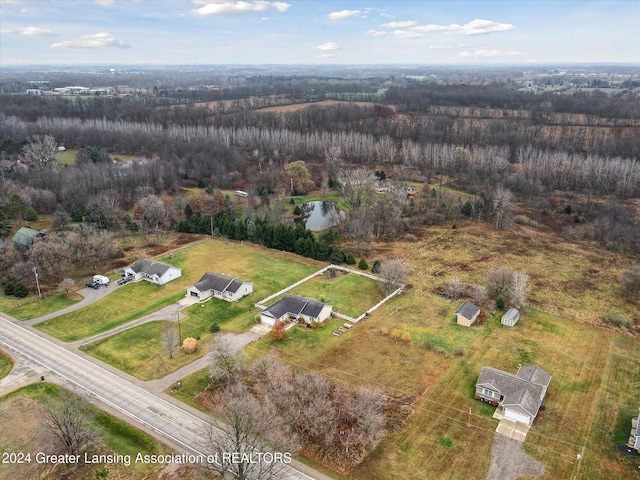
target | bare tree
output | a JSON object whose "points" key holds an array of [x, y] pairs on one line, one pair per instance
{"points": [[66, 285], [395, 273], [225, 364], [41, 149], [67, 416], [631, 280], [519, 288], [246, 441], [154, 212], [503, 198], [170, 338], [499, 283]]}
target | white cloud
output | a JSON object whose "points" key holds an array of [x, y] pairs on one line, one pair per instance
{"points": [[474, 27], [328, 47], [408, 23], [37, 32], [407, 34], [477, 27], [375, 33], [484, 53], [224, 7], [105, 3], [341, 15], [96, 40]]}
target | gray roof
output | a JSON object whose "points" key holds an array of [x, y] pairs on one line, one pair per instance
{"points": [[25, 236], [526, 389], [150, 267], [467, 310], [512, 313], [218, 283], [295, 305]]}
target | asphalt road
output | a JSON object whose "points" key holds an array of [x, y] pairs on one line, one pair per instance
{"points": [[169, 421]]}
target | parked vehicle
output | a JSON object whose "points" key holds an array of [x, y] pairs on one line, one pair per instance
{"points": [[124, 280], [101, 279], [93, 285]]}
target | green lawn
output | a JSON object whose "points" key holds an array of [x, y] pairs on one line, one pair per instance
{"points": [[350, 294], [32, 307], [139, 351], [6, 364], [128, 303]]}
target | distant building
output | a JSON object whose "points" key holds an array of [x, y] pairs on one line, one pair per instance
{"points": [[634, 438]]}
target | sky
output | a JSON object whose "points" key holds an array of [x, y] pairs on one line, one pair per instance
{"points": [[435, 32]]}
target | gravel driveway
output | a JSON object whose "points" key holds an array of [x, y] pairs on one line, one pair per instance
{"points": [[509, 460]]}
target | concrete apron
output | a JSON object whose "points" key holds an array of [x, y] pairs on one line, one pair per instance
{"points": [[512, 429]]}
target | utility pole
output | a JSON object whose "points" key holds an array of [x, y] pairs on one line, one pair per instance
{"points": [[179, 332], [35, 272]]}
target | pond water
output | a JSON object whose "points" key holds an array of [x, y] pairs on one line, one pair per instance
{"points": [[320, 215]]}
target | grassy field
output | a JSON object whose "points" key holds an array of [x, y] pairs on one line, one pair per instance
{"points": [[350, 294], [22, 432], [5, 365], [31, 307]]}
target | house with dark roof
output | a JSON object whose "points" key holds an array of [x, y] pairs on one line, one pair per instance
{"points": [[153, 271], [219, 286], [510, 318], [467, 314], [294, 308], [25, 236], [634, 437], [518, 397]]}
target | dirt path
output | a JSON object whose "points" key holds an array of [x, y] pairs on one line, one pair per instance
{"points": [[509, 460]]}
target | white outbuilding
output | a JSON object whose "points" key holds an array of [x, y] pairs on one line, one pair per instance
{"points": [[511, 317]]}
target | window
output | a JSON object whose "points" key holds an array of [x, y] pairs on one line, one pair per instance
{"points": [[488, 393]]}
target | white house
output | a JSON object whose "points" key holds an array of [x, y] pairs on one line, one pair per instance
{"points": [[220, 286], [511, 317], [293, 307], [155, 272], [518, 397]]}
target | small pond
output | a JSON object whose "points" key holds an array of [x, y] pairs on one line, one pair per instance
{"points": [[320, 215]]}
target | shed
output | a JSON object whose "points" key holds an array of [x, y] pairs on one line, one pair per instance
{"points": [[511, 317], [25, 236], [467, 314]]}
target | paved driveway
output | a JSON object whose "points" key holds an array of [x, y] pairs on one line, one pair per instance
{"points": [[509, 460]]}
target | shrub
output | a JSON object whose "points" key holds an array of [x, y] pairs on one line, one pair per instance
{"points": [[30, 215], [350, 259], [376, 266], [617, 319], [384, 331], [524, 220], [445, 442], [395, 334], [189, 345], [277, 331], [409, 237], [322, 298], [406, 338], [631, 281], [500, 303], [214, 328], [9, 288], [363, 265], [16, 290]]}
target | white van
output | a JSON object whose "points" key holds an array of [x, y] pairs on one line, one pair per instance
{"points": [[101, 280]]}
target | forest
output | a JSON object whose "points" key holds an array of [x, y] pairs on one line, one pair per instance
{"points": [[159, 159]]}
